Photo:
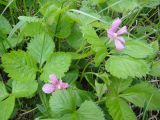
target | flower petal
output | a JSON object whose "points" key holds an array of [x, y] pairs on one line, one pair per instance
{"points": [[110, 34], [121, 39], [53, 79], [62, 85], [116, 24], [119, 45], [122, 31], [48, 88]]}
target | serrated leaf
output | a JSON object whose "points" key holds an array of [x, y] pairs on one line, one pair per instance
{"points": [[141, 94], [7, 107], [98, 45], [155, 47], [155, 69], [90, 111], [81, 96], [62, 102], [57, 64], [5, 26], [119, 109], [3, 91], [124, 67], [119, 85], [137, 49], [123, 6], [41, 47], [19, 65], [100, 88], [32, 28], [24, 89]]}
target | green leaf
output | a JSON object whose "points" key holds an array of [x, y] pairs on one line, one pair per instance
{"points": [[123, 6], [62, 102], [71, 76], [3, 91], [119, 85], [98, 45], [41, 47], [75, 39], [155, 47], [81, 96], [124, 67], [101, 88], [64, 27], [119, 109], [155, 69], [137, 49], [57, 64], [7, 107], [5, 26], [141, 94], [89, 111], [32, 28], [30, 19], [24, 89], [100, 56], [19, 66], [105, 77], [149, 3]]}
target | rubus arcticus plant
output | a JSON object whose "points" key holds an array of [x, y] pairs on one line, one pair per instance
{"points": [[72, 60]]}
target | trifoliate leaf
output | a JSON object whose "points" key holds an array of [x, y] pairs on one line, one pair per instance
{"points": [[7, 107], [5, 26], [3, 91], [62, 102], [41, 47], [137, 49], [119, 109], [57, 64], [155, 69], [141, 94], [19, 65], [24, 89], [124, 67], [89, 111]]}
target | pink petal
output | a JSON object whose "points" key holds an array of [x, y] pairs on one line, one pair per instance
{"points": [[121, 39], [48, 88], [53, 79], [116, 23], [62, 85], [110, 34], [122, 31], [119, 45]]}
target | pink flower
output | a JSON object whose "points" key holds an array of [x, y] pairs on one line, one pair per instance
{"points": [[54, 85], [116, 35]]}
